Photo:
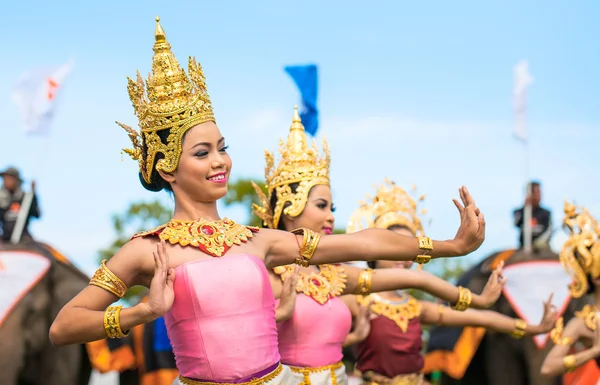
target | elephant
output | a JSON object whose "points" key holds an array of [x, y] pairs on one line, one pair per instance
{"points": [[27, 357], [486, 357]]}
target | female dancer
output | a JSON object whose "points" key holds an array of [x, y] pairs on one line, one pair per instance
{"points": [[391, 354], [219, 312], [580, 256], [311, 340]]}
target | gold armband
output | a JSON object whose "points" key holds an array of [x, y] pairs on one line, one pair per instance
{"points": [[464, 299], [556, 334], [112, 323], [107, 280], [310, 241], [570, 363], [364, 282], [520, 327], [425, 244]]}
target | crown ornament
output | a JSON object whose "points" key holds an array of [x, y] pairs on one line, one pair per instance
{"points": [[580, 254], [168, 100], [299, 164], [391, 205]]}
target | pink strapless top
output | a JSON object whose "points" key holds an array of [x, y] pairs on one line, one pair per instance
{"points": [[222, 323], [314, 335]]}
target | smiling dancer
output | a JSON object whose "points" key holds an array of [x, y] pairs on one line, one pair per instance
{"points": [[391, 354], [208, 276], [311, 340]]}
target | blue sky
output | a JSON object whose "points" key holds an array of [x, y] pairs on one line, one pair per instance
{"points": [[417, 92]]}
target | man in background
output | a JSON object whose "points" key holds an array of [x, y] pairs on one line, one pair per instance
{"points": [[11, 200], [541, 219]]}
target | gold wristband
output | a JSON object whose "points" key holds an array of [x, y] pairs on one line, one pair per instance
{"points": [[107, 280], [570, 363], [310, 241], [112, 323], [425, 244], [464, 299], [364, 282], [520, 327]]}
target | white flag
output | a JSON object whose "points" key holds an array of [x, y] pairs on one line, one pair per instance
{"points": [[36, 92], [522, 81]]}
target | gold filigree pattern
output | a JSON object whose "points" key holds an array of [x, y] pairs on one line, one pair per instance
{"points": [[212, 237], [299, 164], [168, 100], [580, 254], [390, 206], [256, 381], [107, 280], [400, 311], [306, 372], [112, 322], [589, 315], [329, 282]]}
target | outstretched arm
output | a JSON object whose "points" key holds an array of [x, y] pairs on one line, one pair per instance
{"points": [[82, 319], [281, 248], [434, 314], [395, 279], [559, 357]]}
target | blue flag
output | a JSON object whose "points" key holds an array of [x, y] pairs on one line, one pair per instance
{"points": [[306, 78]]}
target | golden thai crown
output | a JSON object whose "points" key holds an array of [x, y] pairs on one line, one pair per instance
{"points": [[580, 254], [390, 206], [168, 100], [299, 164]]}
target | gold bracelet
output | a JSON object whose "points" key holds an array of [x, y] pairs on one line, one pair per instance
{"points": [[364, 282], [570, 363], [310, 241], [112, 323], [425, 244], [520, 327], [556, 334], [107, 280], [464, 299]]}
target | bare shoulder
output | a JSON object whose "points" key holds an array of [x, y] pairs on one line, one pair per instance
{"points": [[576, 327], [134, 260]]}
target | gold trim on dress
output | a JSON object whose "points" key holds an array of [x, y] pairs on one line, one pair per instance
{"points": [[400, 311], [329, 282], [372, 378], [107, 280], [257, 381], [306, 372]]}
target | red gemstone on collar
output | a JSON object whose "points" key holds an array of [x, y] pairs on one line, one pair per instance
{"points": [[207, 230], [316, 282]]}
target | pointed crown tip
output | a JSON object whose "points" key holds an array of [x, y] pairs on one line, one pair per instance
{"points": [[159, 33]]}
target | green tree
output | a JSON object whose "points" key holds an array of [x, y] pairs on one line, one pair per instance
{"points": [[241, 192], [139, 216]]}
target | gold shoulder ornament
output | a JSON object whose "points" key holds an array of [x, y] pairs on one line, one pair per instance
{"points": [[400, 311]]}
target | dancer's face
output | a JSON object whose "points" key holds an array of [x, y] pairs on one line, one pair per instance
{"points": [[204, 165], [317, 214], [397, 264]]}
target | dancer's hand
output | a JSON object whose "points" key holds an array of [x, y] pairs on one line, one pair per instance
{"points": [[161, 295], [362, 326], [493, 288], [287, 301], [471, 233], [549, 317]]}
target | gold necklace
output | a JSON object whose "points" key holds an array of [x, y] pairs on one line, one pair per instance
{"points": [[212, 237], [329, 282], [401, 312]]}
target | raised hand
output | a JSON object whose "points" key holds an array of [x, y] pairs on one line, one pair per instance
{"points": [[362, 326], [287, 301], [493, 288], [471, 232], [549, 317], [161, 295]]}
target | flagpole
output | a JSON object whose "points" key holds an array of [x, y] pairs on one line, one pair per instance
{"points": [[527, 210]]}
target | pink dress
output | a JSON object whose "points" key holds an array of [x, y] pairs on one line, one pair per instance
{"points": [[313, 337], [222, 323]]}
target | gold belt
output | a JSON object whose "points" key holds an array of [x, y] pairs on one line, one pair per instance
{"points": [[306, 372], [372, 378], [255, 381]]}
